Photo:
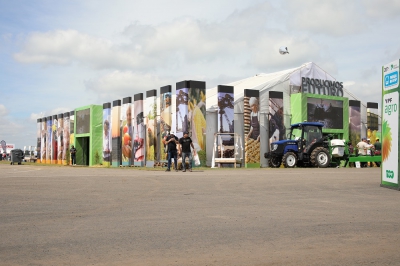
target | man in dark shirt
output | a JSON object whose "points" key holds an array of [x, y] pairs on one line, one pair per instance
{"points": [[73, 155], [184, 149], [171, 140], [378, 147]]}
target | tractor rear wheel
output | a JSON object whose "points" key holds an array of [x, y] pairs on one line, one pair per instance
{"points": [[320, 157], [290, 160], [275, 162]]}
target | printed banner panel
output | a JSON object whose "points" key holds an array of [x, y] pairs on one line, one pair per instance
{"points": [[277, 129], [127, 133], [165, 118], [139, 139], [60, 139], [116, 134], [54, 145], [390, 141], [71, 132], [43, 143], [226, 120], [38, 139], [49, 139], [66, 138], [150, 116], [225, 110], [182, 97], [197, 117], [107, 135], [355, 122], [252, 128]]}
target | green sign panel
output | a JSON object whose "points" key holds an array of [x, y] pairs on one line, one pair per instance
{"points": [[390, 124]]}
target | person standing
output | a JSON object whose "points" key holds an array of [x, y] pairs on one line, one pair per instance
{"points": [[171, 140], [73, 155], [378, 147], [184, 149], [362, 147]]}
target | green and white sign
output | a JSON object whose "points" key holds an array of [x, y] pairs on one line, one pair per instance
{"points": [[390, 124]]}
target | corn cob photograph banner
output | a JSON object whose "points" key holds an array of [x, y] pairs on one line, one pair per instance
{"points": [[150, 113], [116, 134], [196, 118], [165, 118], [252, 128]]}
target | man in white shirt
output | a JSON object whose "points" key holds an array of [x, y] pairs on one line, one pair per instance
{"points": [[362, 147]]}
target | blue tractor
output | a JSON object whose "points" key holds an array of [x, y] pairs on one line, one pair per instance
{"points": [[305, 146]]}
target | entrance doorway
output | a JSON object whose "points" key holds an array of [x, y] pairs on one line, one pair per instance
{"points": [[82, 148]]}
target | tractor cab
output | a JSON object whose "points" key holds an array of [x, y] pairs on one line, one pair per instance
{"points": [[306, 134]]}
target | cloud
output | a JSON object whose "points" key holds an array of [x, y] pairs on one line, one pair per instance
{"points": [[119, 84], [3, 110], [172, 45], [324, 17], [382, 9]]}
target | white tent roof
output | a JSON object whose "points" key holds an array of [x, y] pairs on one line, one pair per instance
{"points": [[263, 81]]}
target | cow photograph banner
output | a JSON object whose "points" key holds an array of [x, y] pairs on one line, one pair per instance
{"points": [[252, 128], [71, 132], [49, 138]]}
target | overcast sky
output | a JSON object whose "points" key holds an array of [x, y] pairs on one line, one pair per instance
{"points": [[59, 55]]}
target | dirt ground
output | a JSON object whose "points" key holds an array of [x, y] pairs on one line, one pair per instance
{"points": [[92, 216]]}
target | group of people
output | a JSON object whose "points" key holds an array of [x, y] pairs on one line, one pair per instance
{"points": [[175, 146], [366, 148]]}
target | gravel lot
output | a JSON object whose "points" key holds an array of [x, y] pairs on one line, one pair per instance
{"points": [[93, 216]]}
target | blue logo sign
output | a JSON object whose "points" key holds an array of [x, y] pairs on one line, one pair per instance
{"points": [[391, 79]]}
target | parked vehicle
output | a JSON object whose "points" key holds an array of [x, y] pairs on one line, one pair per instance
{"points": [[305, 146], [17, 156]]}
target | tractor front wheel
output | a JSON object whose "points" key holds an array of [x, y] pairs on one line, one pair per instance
{"points": [[289, 160], [320, 157], [275, 162]]}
